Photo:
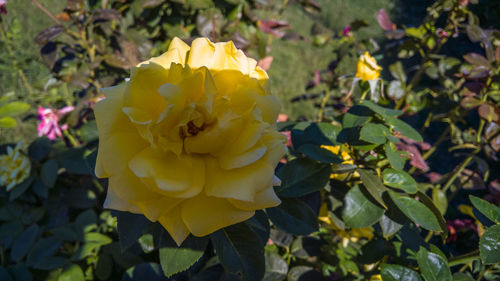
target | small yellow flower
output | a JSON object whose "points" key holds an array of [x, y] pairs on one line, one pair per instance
{"points": [[367, 68], [14, 167], [376, 277], [190, 140], [345, 156]]}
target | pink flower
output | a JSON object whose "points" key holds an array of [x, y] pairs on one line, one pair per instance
{"points": [[347, 31], [49, 121], [3, 10]]}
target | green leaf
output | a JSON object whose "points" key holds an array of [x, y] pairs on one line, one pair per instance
{"points": [[7, 122], [48, 172], [302, 176], [491, 211], [104, 267], [130, 228], [401, 180], [19, 189], [440, 200], [293, 216], [177, 259], [39, 149], [358, 210], [13, 108], [389, 226], [382, 111], [432, 266], [374, 133], [24, 242], [72, 273], [394, 272], [395, 159], [4, 274], [429, 204], [397, 71], [276, 267], [240, 251], [405, 129], [373, 185], [42, 250], [416, 211], [92, 241], [322, 133], [489, 245], [460, 276], [320, 154], [356, 116]]}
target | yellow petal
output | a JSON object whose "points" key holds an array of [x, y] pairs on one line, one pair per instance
{"points": [[130, 188], [159, 206], [144, 84], [175, 226], [201, 53], [240, 183], [176, 53], [204, 214], [169, 175], [266, 198], [181, 47], [116, 203], [116, 151]]}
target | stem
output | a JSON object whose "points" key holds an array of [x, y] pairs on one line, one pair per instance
{"points": [[71, 139], [323, 105], [363, 96], [51, 16], [469, 257], [459, 170]]}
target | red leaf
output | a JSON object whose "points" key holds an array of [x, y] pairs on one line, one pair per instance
{"points": [[384, 21]]}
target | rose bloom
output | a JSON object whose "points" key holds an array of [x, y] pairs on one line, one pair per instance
{"points": [[367, 68], [14, 167], [190, 140], [49, 121]]}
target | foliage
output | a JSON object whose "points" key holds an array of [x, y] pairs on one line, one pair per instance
{"points": [[398, 185]]}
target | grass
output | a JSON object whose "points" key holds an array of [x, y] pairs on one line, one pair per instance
{"points": [[295, 61]]}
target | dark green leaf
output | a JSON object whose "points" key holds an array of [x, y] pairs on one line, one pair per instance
{"points": [[130, 228], [104, 267], [389, 226], [276, 268], [394, 272], [489, 210], [48, 172], [20, 188], [240, 251], [320, 154], [356, 116], [432, 266], [39, 149], [4, 274], [322, 133], [293, 216], [177, 259], [460, 276], [400, 179], [374, 133], [24, 242], [416, 211], [359, 211], [42, 250], [429, 204], [489, 245], [302, 176], [40, 189], [373, 185]]}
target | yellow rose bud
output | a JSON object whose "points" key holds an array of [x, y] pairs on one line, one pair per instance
{"points": [[367, 68], [190, 140], [14, 167]]}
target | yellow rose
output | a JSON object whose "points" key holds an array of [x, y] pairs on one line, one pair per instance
{"points": [[14, 167], [345, 156], [367, 68], [190, 140]]}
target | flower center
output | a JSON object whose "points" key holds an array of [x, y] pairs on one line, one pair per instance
{"points": [[192, 129]]}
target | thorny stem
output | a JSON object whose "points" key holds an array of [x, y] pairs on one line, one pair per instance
{"points": [[459, 170], [323, 105]]}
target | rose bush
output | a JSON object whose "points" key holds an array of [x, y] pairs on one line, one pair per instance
{"points": [[190, 140]]}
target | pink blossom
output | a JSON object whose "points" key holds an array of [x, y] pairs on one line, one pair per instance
{"points": [[3, 10], [49, 121], [347, 31]]}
